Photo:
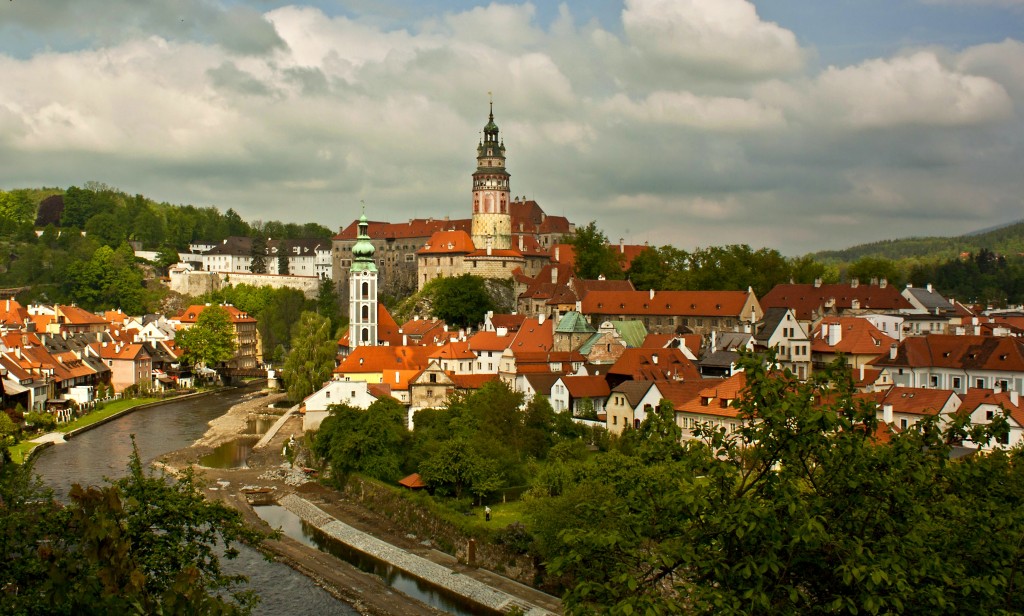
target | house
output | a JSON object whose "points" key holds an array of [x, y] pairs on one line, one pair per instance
{"points": [[248, 346], [905, 406], [697, 312], [316, 406], [856, 339], [629, 403], [944, 361], [584, 396], [488, 347], [130, 365], [712, 407], [652, 365], [780, 331], [984, 404], [723, 351], [812, 302]]}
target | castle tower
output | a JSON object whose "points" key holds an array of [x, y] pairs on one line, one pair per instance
{"points": [[491, 216], [362, 291]]}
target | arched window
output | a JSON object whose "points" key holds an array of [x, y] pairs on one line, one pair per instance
{"points": [[366, 313], [366, 290], [366, 335]]}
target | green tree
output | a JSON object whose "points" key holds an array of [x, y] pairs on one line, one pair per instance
{"points": [[648, 271], [311, 359], [259, 255], [143, 545], [371, 441], [867, 268], [594, 257], [211, 341], [460, 301], [8, 431], [328, 304], [282, 263]]}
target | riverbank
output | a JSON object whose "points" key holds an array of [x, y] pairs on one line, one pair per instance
{"points": [[267, 470], [112, 410]]}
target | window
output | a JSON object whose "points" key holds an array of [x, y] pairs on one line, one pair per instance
{"points": [[956, 382], [989, 415], [433, 377], [935, 380], [615, 420], [980, 384], [327, 394], [903, 424]]}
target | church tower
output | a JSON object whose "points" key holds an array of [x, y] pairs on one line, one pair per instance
{"points": [[362, 291], [492, 221]]}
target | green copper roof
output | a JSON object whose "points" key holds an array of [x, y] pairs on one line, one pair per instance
{"points": [[363, 250], [632, 332], [573, 322]]}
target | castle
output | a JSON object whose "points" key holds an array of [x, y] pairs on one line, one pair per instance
{"points": [[505, 234]]}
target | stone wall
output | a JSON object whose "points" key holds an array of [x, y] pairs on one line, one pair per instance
{"points": [[445, 536], [197, 283]]}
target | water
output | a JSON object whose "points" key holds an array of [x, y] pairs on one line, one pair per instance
{"points": [[295, 527], [103, 452], [232, 454], [259, 424]]}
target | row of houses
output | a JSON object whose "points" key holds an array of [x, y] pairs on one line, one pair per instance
{"points": [[53, 356]]}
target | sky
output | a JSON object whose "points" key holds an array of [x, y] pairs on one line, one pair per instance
{"points": [[785, 124]]}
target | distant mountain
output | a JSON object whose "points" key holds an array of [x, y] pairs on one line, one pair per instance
{"points": [[1003, 239]]}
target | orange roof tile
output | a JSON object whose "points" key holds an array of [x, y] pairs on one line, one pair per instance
{"points": [[805, 299], [191, 314], [374, 359], [858, 337], [655, 365], [448, 242], [916, 400], [684, 303], [958, 352], [490, 341]]}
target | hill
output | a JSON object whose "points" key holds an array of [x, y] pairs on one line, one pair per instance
{"points": [[1007, 240]]}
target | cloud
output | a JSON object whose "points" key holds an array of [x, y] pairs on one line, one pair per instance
{"points": [[694, 123], [725, 38]]}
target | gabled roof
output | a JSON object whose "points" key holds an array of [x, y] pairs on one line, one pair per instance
{"points": [[511, 322], [975, 398], [123, 352], [805, 299], [716, 398], [773, 317], [454, 349], [929, 298], [412, 229], [385, 359], [448, 243], [471, 381], [681, 303], [13, 313], [958, 352], [586, 386], [490, 341], [916, 400], [77, 316], [573, 322], [542, 382], [634, 391], [654, 365], [858, 337], [632, 332], [191, 314], [533, 336]]}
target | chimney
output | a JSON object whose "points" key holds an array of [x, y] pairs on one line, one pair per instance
{"points": [[855, 304], [713, 341], [817, 283], [887, 413], [405, 340], [883, 283], [501, 332], [892, 350], [579, 306], [622, 246], [854, 283], [997, 388], [652, 293], [861, 379], [554, 275], [557, 250], [835, 334], [929, 287], [540, 318], [654, 359], [1014, 397], [520, 243]]}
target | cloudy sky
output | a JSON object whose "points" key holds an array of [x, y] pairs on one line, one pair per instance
{"points": [[783, 123]]}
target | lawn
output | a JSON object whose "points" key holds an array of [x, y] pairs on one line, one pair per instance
{"points": [[20, 451], [502, 514]]}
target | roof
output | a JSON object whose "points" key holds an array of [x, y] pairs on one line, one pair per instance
{"points": [[414, 228], [573, 322], [511, 322], [489, 341], [857, 337], [542, 382], [77, 316], [385, 359], [655, 365], [586, 386], [191, 314], [975, 398], [533, 335], [916, 400], [634, 391], [929, 298], [453, 349], [682, 303], [13, 313], [413, 481], [471, 381], [448, 242], [123, 352], [633, 333], [773, 317], [716, 398], [806, 299], [958, 352]]}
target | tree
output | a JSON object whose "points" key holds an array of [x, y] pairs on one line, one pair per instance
{"points": [[211, 340], [801, 509], [371, 441], [282, 262], [648, 271], [461, 301], [327, 304], [594, 257], [258, 253], [311, 359], [141, 545]]}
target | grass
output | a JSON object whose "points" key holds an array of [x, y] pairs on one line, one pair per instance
{"points": [[502, 514], [21, 451]]}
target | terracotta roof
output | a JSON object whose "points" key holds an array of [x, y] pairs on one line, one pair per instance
{"points": [[586, 386], [655, 365], [124, 352], [916, 400], [413, 481], [385, 359], [448, 242], [806, 299], [481, 253], [471, 381], [533, 336], [453, 350], [978, 397], [415, 228], [490, 341], [511, 322], [191, 314], [716, 398], [419, 327], [682, 303], [78, 316], [958, 352], [13, 313], [858, 337]]}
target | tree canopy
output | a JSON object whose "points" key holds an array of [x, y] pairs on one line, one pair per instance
{"points": [[211, 340], [460, 301], [311, 360], [594, 257]]}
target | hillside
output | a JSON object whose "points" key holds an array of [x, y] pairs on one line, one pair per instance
{"points": [[1007, 240]]}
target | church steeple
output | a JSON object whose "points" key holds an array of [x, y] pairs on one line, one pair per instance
{"points": [[362, 303], [491, 194]]}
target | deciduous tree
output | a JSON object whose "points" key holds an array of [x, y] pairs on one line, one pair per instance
{"points": [[311, 360], [211, 341]]}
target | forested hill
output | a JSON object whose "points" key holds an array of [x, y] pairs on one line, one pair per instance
{"points": [[1005, 240]]}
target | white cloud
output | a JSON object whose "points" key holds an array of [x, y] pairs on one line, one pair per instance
{"points": [[712, 113], [722, 37]]}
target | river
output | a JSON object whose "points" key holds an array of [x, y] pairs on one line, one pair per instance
{"points": [[103, 452]]}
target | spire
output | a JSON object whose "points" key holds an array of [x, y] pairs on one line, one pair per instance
{"points": [[363, 250]]}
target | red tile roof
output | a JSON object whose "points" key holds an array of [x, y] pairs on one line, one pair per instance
{"points": [[373, 359], [586, 386], [489, 341], [191, 314], [958, 352], [716, 398], [448, 242], [916, 400], [858, 337], [415, 228], [977, 397], [806, 299], [655, 365], [533, 336], [683, 303]]}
